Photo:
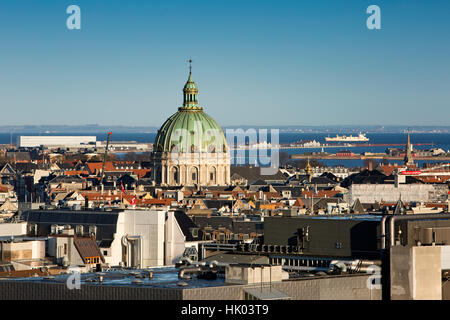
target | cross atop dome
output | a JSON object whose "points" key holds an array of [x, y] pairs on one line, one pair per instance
{"points": [[190, 66]]}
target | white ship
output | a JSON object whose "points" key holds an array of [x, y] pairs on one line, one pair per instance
{"points": [[338, 138]]}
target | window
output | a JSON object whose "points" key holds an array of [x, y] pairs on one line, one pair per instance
{"points": [[194, 232], [174, 175], [211, 176], [194, 176]]}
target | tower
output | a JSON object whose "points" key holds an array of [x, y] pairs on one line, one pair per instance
{"points": [[308, 170], [409, 161], [190, 92]]}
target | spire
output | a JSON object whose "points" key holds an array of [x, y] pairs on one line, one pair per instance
{"points": [[190, 92], [308, 170], [409, 161]]}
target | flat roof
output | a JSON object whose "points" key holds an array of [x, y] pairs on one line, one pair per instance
{"points": [[166, 277], [363, 217]]}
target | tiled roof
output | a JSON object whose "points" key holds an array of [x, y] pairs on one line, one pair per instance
{"points": [[87, 248]]}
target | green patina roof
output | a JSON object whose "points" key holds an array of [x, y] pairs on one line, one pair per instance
{"points": [[190, 129]]}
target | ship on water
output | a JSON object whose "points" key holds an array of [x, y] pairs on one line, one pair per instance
{"points": [[350, 138]]}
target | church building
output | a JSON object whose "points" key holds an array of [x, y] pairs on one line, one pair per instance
{"points": [[190, 148]]}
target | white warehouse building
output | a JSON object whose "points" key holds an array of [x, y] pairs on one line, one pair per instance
{"points": [[53, 141]]}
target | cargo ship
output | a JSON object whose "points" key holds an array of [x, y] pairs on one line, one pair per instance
{"points": [[350, 138]]}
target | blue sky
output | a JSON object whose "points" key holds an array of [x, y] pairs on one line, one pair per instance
{"points": [[256, 62]]}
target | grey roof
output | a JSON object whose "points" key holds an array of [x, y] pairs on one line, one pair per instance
{"points": [[298, 178], [252, 174], [374, 177], [214, 222], [235, 226], [24, 167], [247, 227], [330, 176], [217, 203], [323, 181], [296, 192], [366, 176], [186, 226], [259, 182], [106, 222], [67, 179], [126, 179]]}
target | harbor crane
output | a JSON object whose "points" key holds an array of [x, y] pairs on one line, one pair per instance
{"points": [[102, 173]]}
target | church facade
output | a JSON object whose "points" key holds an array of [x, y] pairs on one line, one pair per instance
{"points": [[190, 148]]}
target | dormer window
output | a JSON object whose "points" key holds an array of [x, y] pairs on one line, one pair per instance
{"points": [[194, 232]]}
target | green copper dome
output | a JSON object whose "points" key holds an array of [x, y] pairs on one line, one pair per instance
{"points": [[190, 129]]}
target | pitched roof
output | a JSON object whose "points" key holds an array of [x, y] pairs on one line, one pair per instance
{"points": [[87, 247], [252, 174], [106, 222], [298, 203], [323, 180], [187, 225], [9, 206], [67, 179], [96, 167], [363, 177], [357, 207]]}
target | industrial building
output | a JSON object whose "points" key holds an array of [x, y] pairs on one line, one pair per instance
{"points": [[412, 250], [372, 193], [239, 282], [56, 141]]}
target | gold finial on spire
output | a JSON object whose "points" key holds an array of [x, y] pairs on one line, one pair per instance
{"points": [[308, 170]]}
